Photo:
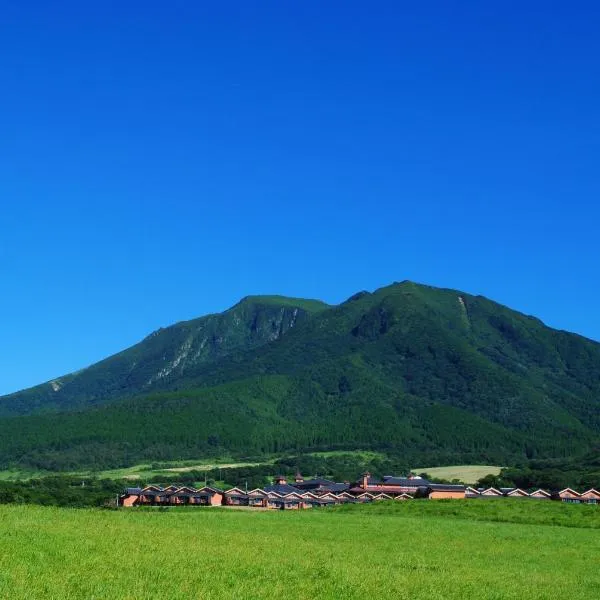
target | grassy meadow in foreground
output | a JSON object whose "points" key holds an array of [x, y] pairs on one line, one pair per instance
{"points": [[419, 549]]}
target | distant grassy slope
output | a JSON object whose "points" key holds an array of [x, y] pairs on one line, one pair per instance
{"points": [[353, 554], [437, 376], [468, 474], [144, 472]]}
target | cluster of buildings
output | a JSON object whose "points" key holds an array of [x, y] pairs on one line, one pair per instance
{"points": [[569, 495], [317, 492]]}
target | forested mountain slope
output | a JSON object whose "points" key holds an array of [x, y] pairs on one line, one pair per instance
{"points": [[166, 354], [434, 375]]}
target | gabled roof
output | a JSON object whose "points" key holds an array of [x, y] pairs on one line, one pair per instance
{"points": [[540, 492], [328, 496], [366, 495], [154, 493], [309, 495], [470, 490], [591, 494], [382, 497], [518, 492], [293, 496], [184, 492], [569, 491], [403, 496], [491, 492], [235, 491], [152, 488], [257, 492], [209, 490]]}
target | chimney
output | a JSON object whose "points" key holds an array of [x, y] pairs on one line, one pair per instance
{"points": [[365, 480], [298, 478]]}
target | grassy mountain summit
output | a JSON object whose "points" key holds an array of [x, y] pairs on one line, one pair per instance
{"points": [[432, 374]]}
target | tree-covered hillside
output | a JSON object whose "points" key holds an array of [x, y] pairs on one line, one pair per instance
{"points": [[166, 354], [435, 375]]}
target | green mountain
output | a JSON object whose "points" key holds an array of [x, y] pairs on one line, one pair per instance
{"points": [[166, 354], [423, 373]]}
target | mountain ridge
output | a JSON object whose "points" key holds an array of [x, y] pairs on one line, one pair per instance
{"points": [[266, 311], [404, 367]]}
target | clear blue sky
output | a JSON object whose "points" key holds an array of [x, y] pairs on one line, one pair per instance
{"points": [[159, 161]]}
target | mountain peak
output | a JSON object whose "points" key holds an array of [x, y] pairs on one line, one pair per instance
{"points": [[423, 370], [307, 304]]}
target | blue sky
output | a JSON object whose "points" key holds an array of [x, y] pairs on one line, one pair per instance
{"points": [[159, 161]]}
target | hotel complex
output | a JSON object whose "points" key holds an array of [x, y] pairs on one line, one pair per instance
{"points": [[317, 492]]}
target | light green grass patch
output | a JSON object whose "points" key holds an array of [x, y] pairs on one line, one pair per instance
{"points": [[468, 474], [365, 455], [20, 475], [141, 471]]}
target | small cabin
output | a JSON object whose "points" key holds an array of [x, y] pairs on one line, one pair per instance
{"points": [[329, 499], [196, 498], [517, 493], [591, 497], [181, 495], [403, 497], [471, 492], [257, 498], [209, 496], [293, 501], [310, 500], [570, 496], [235, 497], [130, 497], [153, 495], [275, 500]]}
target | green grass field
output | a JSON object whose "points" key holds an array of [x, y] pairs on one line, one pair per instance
{"points": [[141, 471], [468, 474], [420, 549], [362, 455]]}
